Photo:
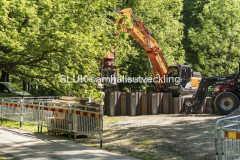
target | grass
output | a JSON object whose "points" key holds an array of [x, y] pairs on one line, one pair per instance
{"points": [[144, 156], [145, 144], [4, 156], [33, 128], [109, 120], [132, 151], [25, 126]]}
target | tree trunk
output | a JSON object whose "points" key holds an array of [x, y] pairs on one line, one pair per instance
{"points": [[7, 78], [4, 77], [24, 85]]}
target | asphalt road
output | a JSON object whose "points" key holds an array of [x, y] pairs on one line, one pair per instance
{"points": [[27, 145]]}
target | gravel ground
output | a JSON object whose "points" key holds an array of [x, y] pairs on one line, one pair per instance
{"points": [[234, 113], [163, 136]]}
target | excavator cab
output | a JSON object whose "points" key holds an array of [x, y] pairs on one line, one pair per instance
{"points": [[185, 76], [179, 77]]}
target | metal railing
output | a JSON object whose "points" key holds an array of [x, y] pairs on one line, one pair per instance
{"points": [[227, 138], [43, 112]]}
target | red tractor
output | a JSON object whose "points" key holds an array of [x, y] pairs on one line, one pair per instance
{"points": [[226, 96]]}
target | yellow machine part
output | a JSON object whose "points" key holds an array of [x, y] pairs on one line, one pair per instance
{"points": [[195, 82]]}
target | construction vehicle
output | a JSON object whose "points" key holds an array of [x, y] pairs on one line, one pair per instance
{"points": [[108, 72], [226, 96], [159, 66]]}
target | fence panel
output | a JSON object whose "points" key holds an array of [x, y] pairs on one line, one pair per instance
{"points": [[11, 109], [55, 116], [227, 138], [88, 120], [30, 111], [79, 119]]}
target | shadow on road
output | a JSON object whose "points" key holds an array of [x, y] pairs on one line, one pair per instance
{"points": [[27, 145]]}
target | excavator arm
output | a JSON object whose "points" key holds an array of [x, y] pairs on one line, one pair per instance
{"points": [[150, 46]]}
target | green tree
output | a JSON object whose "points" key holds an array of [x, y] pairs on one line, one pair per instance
{"points": [[216, 41], [191, 19], [44, 39]]}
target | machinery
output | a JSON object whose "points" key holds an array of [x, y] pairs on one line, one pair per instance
{"points": [[109, 72], [160, 69], [226, 96]]}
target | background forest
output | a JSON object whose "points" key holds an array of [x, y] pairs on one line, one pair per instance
{"points": [[43, 39]]}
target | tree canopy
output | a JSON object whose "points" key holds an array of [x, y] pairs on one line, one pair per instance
{"points": [[45, 39], [216, 40], [40, 40]]}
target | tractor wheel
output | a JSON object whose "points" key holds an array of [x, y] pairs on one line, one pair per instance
{"points": [[226, 102]]}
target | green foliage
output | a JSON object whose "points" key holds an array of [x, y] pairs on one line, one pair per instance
{"points": [[216, 41], [42, 40], [162, 18], [190, 13]]}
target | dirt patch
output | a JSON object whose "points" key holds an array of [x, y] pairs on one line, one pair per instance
{"points": [[163, 136]]}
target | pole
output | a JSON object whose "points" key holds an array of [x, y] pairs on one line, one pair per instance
{"points": [[39, 122], [70, 121], [101, 130], [1, 110], [21, 114]]}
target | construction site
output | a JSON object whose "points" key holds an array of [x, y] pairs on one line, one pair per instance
{"points": [[132, 100]]}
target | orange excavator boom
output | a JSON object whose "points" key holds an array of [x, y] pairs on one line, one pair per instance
{"points": [[144, 38]]}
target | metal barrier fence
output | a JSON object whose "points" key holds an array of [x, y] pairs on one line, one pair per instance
{"points": [[148, 103], [43, 112], [227, 138]]}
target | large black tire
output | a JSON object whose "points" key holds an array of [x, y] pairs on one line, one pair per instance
{"points": [[226, 102]]}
